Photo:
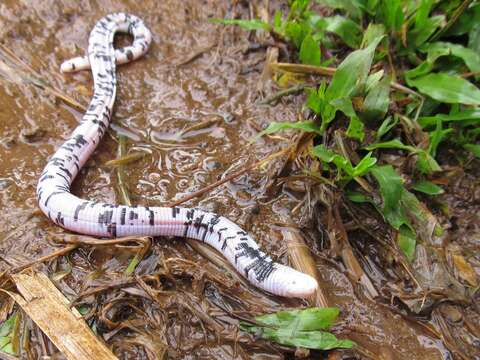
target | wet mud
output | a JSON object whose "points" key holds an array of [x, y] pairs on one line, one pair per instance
{"points": [[190, 106]]}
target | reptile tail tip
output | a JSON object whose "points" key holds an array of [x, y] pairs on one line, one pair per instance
{"points": [[289, 282], [302, 286]]}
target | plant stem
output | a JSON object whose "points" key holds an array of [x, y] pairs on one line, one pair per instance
{"points": [[278, 95], [456, 14], [122, 186]]}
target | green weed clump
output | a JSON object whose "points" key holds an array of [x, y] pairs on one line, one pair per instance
{"points": [[406, 86]]}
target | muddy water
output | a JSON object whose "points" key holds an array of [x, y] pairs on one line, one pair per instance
{"points": [[156, 101]]}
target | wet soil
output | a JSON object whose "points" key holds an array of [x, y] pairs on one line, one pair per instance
{"points": [[194, 313]]}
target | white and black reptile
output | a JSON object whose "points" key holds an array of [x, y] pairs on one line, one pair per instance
{"points": [[109, 220]]}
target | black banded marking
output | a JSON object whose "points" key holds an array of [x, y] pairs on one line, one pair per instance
{"points": [[66, 171], [78, 209], [214, 220], [187, 225], [224, 245], [105, 217], [151, 217], [52, 194], [261, 264], [220, 233], [198, 223], [123, 213], [45, 177], [67, 180], [60, 220], [112, 229], [175, 211], [190, 214]]}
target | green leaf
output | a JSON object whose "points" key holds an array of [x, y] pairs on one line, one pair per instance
{"points": [[300, 328], [352, 7], [316, 98], [306, 339], [436, 137], [317, 102], [355, 129], [297, 31], [391, 190], [467, 21], [277, 21], [386, 126], [298, 7], [407, 242], [345, 105], [439, 49], [373, 31], [470, 57], [352, 73], [424, 26], [427, 66], [358, 197], [323, 153], [447, 88], [370, 6], [6, 333], [4, 340], [467, 115], [474, 38], [426, 163], [310, 52], [345, 28], [9, 349], [7, 326], [427, 187], [377, 100], [399, 207], [420, 35], [83, 309], [344, 164], [392, 144], [132, 265], [391, 185], [364, 165], [302, 320], [307, 126], [420, 216], [421, 15], [349, 76], [245, 24], [329, 156], [373, 80], [392, 14], [469, 136], [473, 148]]}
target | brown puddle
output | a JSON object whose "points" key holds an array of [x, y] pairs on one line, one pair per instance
{"points": [[195, 300]]}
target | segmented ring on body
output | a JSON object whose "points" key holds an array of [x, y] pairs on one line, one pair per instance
{"points": [[108, 220]]}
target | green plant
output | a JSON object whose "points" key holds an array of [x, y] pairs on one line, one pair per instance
{"points": [[9, 335], [438, 103], [299, 328]]}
